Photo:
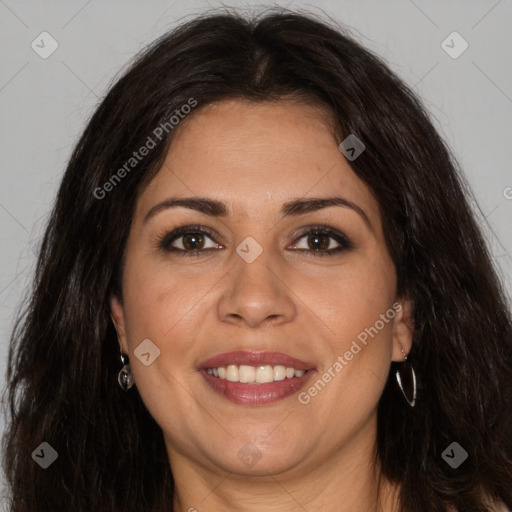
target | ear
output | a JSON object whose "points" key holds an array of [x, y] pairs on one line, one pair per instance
{"points": [[403, 328], [117, 311]]}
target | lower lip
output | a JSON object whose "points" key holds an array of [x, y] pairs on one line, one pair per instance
{"points": [[256, 394]]}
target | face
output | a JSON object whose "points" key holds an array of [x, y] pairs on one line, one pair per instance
{"points": [[272, 283]]}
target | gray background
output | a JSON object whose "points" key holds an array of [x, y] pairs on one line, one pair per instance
{"points": [[44, 103]]}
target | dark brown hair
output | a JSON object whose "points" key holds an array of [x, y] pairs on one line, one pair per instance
{"points": [[64, 355]]}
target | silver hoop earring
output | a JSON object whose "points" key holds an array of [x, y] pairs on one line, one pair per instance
{"points": [[407, 367], [125, 376]]}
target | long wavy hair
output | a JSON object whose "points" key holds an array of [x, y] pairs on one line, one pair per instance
{"points": [[64, 356]]}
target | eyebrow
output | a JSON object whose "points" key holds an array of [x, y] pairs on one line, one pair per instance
{"points": [[214, 208]]}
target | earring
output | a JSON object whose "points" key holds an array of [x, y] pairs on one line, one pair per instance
{"points": [[125, 377], [408, 367]]}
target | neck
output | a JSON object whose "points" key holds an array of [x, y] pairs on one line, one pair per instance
{"points": [[347, 480]]}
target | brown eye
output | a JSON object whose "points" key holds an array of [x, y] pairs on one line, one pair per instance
{"points": [[193, 241], [318, 241], [188, 239], [322, 240]]}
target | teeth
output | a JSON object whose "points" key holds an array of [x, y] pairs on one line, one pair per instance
{"points": [[255, 374], [279, 372], [264, 374], [246, 373], [232, 373]]}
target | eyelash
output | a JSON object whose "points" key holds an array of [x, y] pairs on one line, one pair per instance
{"points": [[165, 240]]}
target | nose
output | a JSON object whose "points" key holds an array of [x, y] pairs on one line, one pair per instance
{"points": [[256, 295]]}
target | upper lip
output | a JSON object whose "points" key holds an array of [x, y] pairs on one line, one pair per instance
{"points": [[251, 358]]}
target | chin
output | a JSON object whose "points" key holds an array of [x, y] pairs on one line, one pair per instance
{"points": [[248, 458]]}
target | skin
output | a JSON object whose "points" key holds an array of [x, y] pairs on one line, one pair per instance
{"points": [[317, 456]]}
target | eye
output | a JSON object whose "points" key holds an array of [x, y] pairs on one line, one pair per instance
{"points": [[187, 239], [318, 241], [193, 240]]}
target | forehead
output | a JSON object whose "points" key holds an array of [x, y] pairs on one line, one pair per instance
{"points": [[256, 156]]}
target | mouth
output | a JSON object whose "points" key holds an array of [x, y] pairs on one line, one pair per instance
{"points": [[255, 378]]}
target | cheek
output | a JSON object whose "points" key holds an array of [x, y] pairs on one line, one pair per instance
{"points": [[161, 308], [159, 300], [360, 314], [158, 306], [351, 302], [356, 313]]}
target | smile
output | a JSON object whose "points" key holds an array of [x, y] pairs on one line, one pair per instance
{"points": [[255, 378], [255, 375]]}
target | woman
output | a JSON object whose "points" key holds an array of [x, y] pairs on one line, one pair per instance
{"points": [[261, 288]]}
